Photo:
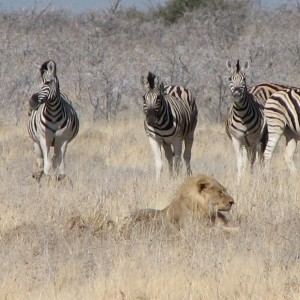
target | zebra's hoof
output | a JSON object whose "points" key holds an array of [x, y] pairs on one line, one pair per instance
{"points": [[64, 180], [60, 177], [37, 176]]}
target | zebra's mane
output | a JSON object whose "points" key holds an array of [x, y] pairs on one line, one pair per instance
{"points": [[151, 80]]}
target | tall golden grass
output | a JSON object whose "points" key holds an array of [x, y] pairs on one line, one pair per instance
{"points": [[56, 241]]}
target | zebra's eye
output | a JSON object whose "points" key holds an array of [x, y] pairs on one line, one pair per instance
{"points": [[229, 78]]}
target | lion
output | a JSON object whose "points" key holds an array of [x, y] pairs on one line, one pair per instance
{"points": [[200, 198]]}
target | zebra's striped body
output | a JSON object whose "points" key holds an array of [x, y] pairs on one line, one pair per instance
{"points": [[282, 111], [261, 92], [170, 118], [53, 123], [245, 124]]}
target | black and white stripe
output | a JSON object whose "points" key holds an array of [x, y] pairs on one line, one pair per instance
{"points": [[282, 112], [245, 124], [261, 92], [53, 122], [170, 118]]}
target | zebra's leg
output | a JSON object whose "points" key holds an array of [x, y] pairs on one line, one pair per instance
{"points": [[37, 174], [169, 156], [156, 147], [251, 154], [239, 151], [188, 143], [45, 147], [178, 152], [59, 159], [260, 152], [291, 145]]}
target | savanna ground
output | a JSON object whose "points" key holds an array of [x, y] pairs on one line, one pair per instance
{"points": [[57, 241]]}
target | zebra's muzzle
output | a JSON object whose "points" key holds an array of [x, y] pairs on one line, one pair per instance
{"points": [[151, 120], [237, 93], [34, 102]]}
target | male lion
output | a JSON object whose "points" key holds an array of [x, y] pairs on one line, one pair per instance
{"points": [[201, 198]]}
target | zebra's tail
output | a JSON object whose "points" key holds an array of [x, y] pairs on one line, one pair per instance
{"points": [[264, 139]]}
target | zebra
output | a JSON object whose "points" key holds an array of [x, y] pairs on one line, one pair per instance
{"points": [[53, 122], [170, 118], [262, 92], [245, 123], [282, 112]]}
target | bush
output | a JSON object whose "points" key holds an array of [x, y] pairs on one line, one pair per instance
{"points": [[173, 10]]}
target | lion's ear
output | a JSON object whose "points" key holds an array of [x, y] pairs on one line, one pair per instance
{"points": [[203, 184]]}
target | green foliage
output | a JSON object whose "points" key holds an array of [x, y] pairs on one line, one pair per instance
{"points": [[173, 10]]}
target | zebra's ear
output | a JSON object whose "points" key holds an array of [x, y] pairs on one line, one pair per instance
{"points": [[157, 81], [52, 67], [246, 66], [161, 88], [229, 65], [145, 85]]}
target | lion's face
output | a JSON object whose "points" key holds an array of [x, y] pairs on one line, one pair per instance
{"points": [[215, 194]]}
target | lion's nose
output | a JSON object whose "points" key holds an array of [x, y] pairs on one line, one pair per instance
{"points": [[231, 201]]}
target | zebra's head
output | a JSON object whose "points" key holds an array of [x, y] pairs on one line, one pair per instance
{"points": [[50, 89], [48, 70], [152, 101], [237, 79]]}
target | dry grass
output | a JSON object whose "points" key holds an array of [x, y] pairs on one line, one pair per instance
{"points": [[57, 240]]}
